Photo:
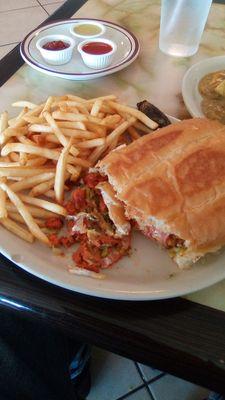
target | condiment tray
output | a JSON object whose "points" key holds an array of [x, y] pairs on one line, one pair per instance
{"points": [[127, 50]]}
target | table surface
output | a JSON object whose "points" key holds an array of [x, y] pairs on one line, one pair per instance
{"points": [[180, 336]]}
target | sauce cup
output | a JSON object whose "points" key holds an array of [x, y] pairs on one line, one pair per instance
{"points": [[87, 29], [56, 56], [97, 53]]}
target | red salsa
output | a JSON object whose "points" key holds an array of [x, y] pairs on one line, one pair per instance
{"points": [[97, 48], [56, 45]]}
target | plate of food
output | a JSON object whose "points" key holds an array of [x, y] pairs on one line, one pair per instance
{"points": [[203, 89], [110, 200], [80, 48]]}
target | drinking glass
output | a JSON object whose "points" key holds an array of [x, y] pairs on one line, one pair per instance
{"points": [[181, 26]]}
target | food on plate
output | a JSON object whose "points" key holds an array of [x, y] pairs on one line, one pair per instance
{"points": [[154, 113], [208, 84], [97, 220], [46, 150], [56, 45], [56, 49], [214, 109], [212, 89], [97, 48], [97, 53], [172, 185], [87, 29]]}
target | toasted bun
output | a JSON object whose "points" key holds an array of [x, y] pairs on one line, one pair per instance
{"points": [[174, 179], [115, 209]]}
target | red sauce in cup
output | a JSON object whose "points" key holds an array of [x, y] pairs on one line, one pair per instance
{"points": [[56, 45], [97, 48]]}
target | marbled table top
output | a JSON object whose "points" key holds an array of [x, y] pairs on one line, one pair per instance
{"points": [[153, 76]]}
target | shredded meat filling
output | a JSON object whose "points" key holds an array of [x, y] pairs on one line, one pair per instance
{"points": [[167, 240], [99, 247]]}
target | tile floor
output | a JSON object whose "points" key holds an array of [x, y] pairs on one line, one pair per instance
{"points": [[136, 381], [113, 377], [18, 17]]}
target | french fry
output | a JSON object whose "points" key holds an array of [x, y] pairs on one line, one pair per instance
{"points": [[3, 210], [96, 107], [46, 205], [22, 113], [35, 211], [66, 135], [24, 103], [31, 119], [101, 115], [115, 134], [32, 181], [133, 133], [76, 98], [24, 212], [35, 111], [68, 116], [5, 159], [111, 120], [14, 157], [4, 121], [22, 171], [31, 149], [76, 134], [69, 109], [40, 128], [87, 144], [71, 125], [61, 172], [74, 171], [50, 194], [135, 113], [48, 105], [36, 162], [77, 161], [51, 138], [96, 154], [108, 97], [25, 140], [100, 130], [17, 218], [42, 188], [57, 131], [69, 103], [9, 164], [13, 227], [12, 132], [23, 158], [140, 126]]}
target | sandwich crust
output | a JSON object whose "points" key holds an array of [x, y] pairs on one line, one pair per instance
{"points": [[174, 179], [115, 209]]}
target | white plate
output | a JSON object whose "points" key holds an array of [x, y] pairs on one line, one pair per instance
{"points": [[147, 274], [127, 50], [191, 95]]}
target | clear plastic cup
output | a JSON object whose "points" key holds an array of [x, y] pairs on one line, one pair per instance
{"points": [[181, 26]]}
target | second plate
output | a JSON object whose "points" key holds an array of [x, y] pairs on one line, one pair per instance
{"points": [[191, 95], [127, 50]]}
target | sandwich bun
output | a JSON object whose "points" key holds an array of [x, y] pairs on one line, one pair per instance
{"points": [[174, 179]]}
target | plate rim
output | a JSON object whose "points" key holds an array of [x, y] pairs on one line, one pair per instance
{"points": [[88, 75]]}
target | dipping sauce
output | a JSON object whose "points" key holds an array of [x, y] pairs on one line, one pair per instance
{"points": [[97, 48], [212, 89], [56, 45], [87, 29]]}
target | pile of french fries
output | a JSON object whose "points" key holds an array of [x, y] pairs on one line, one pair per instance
{"points": [[50, 144]]}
